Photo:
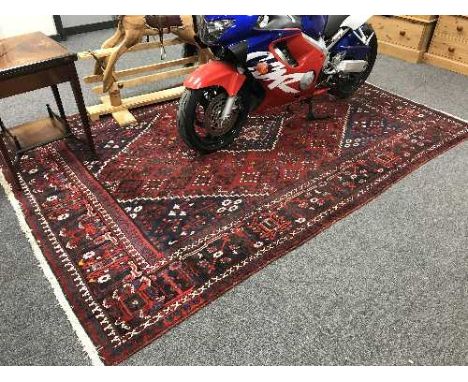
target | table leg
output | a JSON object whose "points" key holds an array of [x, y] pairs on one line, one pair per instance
{"points": [[58, 101], [6, 158], [75, 84]]}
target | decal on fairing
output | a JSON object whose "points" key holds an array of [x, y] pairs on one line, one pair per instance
{"points": [[277, 74]]}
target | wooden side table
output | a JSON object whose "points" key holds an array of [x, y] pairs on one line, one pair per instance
{"points": [[30, 62]]}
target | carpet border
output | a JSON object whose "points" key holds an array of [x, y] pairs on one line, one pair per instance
{"points": [[88, 347]]}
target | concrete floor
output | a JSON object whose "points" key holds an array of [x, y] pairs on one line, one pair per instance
{"points": [[387, 285]]}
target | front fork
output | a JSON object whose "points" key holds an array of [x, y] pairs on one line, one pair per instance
{"points": [[228, 107]]}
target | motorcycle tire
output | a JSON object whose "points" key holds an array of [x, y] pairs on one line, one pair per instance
{"points": [[186, 115], [347, 87]]}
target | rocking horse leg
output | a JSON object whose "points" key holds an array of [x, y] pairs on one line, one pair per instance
{"points": [[111, 42], [131, 38], [132, 28], [114, 40]]}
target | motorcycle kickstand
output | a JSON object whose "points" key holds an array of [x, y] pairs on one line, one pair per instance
{"points": [[289, 115], [311, 116]]}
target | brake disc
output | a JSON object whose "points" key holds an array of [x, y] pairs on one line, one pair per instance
{"points": [[214, 125]]}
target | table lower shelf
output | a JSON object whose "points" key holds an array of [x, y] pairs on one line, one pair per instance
{"points": [[37, 133]]}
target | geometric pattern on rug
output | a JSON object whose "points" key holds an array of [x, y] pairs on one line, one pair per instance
{"points": [[151, 231]]}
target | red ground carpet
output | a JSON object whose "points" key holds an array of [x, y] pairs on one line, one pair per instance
{"points": [[151, 232]]}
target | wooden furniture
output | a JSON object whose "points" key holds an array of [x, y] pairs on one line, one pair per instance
{"points": [[130, 31], [113, 103], [30, 62], [449, 45], [404, 37], [127, 38]]}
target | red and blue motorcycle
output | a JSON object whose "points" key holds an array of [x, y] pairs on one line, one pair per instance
{"points": [[267, 61]]}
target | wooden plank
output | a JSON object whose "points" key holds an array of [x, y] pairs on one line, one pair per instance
{"points": [[141, 69], [136, 101], [446, 63], [401, 52], [94, 118], [101, 53], [124, 118], [149, 78]]}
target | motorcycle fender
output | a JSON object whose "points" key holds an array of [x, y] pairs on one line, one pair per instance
{"points": [[216, 73]]}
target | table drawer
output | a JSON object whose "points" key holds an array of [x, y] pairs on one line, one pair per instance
{"points": [[395, 30]]}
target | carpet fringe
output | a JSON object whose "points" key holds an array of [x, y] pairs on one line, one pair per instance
{"points": [[88, 346]]}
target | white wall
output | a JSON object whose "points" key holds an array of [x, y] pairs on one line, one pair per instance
{"points": [[14, 25]]}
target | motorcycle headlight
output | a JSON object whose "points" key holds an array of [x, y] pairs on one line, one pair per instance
{"points": [[214, 29]]}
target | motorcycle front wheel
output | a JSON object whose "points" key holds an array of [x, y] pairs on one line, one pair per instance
{"points": [[199, 119]]}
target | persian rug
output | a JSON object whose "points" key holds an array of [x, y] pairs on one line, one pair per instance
{"points": [[151, 231]]}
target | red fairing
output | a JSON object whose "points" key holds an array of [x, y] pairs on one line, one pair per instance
{"points": [[216, 73], [282, 83]]}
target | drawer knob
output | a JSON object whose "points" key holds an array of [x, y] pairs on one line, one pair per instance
{"points": [[451, 49], [459, 28], [402, 33]]}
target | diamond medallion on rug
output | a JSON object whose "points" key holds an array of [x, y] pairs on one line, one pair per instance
{"points": [[151, 231]]}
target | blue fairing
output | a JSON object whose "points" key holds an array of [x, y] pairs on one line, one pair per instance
{"points": [[245, 29], [314, 25], [352, 46]]}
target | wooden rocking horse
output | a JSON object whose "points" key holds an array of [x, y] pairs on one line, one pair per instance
{"points": [[131, 30]]}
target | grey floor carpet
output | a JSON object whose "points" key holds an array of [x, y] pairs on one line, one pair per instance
{"points": [[387, 285]]}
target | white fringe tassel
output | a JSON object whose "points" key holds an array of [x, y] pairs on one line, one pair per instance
{"points": [[88, 346]]}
